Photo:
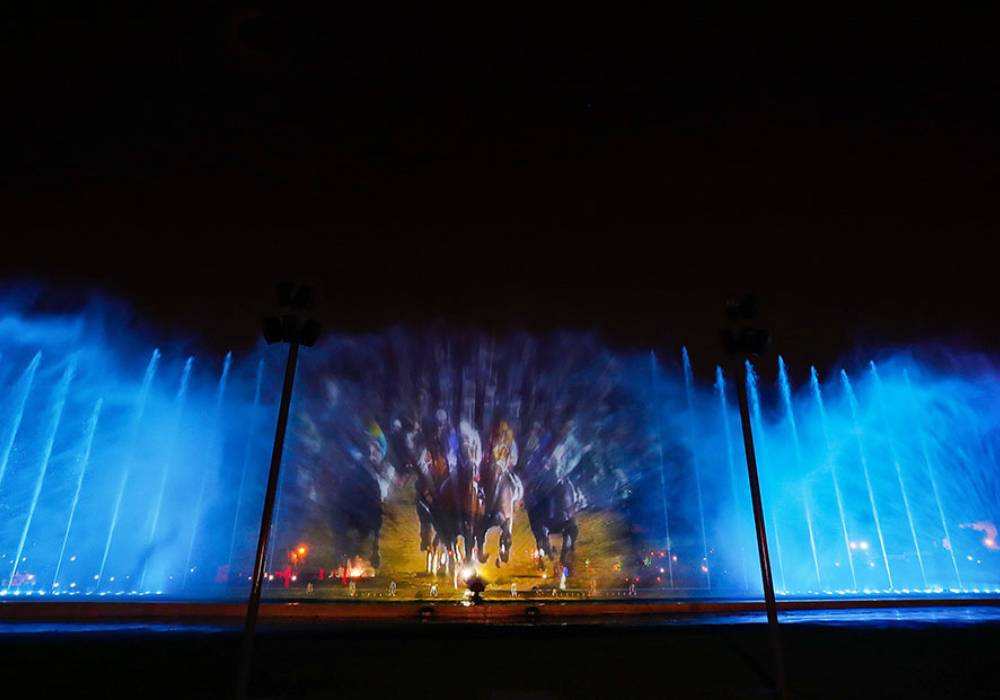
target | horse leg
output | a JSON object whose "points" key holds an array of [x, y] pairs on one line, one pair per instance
{"points": [[506, 538], [472, 546], [466, 552], [543, 546], [481, 539], [376, 554], [426, 530], [570, 532]]}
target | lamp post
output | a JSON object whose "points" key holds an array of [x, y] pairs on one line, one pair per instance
{"points": [[292, 329], [742, 340]]}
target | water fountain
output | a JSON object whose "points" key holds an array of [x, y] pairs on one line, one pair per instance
{"points": [[894, 456], [835, 480], [863, 457], [126, 470], [736, 503], [786, 398], [760, 439], [694, 446]]}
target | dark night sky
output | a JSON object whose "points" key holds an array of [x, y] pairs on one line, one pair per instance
{"points": [[625, 181]]}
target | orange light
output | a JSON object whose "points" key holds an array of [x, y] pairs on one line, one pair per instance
{"points": [[301, 550]]}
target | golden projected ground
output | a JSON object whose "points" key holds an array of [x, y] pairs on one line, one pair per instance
{"points": [[601, 554]]}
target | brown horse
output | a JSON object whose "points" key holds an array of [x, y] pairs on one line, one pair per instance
{"points": [[502, 490], [439, 493], [470, 494]]}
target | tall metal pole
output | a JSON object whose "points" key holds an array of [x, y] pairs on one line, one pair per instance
{"points": [[253, 606], [758, 518]]}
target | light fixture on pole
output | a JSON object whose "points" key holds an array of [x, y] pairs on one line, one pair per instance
{"points": [[295, 330], [744, 340]]}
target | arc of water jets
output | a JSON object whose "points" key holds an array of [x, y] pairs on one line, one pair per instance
{"points": [[720, 387], [761, 443], [899, 471], [786, 394], [147, 383], [922, 436], [818, 395], [213, 432], [689, 388], [863, 456], [24, 386], [28, 378], [59, 404], [247, 448], [179, 400], [88, 444]]}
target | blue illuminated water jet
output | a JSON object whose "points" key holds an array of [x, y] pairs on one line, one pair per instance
{"points": [[863, 457], [760, 440], [212, 437], [143, 397], [933, 482], [689, 392], [59, 403], [85, 452], [894, 456], [785, 388], [832, 464], [244, 468], [24, 390], [720, 388], [171, 449]]}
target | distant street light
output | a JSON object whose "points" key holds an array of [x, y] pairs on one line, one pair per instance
{"points": [[289, 328]]}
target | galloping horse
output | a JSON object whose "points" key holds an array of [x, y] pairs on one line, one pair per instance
{"points": [[470, 496], [552, 500], [439, 503], [359, 489], [414, 457], [553, 512], [502, 489]]}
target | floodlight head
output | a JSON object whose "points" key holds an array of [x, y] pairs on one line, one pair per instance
{"points": [[290, 327], [290, 324], [309, 333], [271, 328]]}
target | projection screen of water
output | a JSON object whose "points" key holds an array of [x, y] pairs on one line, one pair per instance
{"points": [[547, 464]]}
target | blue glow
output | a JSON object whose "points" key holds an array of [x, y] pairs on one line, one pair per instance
{"points": [[49, 437], [128, 462], [90, 428]]}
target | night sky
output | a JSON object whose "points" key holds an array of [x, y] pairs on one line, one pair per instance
{"points": [[623, 181]]}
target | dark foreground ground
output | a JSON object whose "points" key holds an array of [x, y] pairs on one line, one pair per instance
{"points": [[845, 654]]}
